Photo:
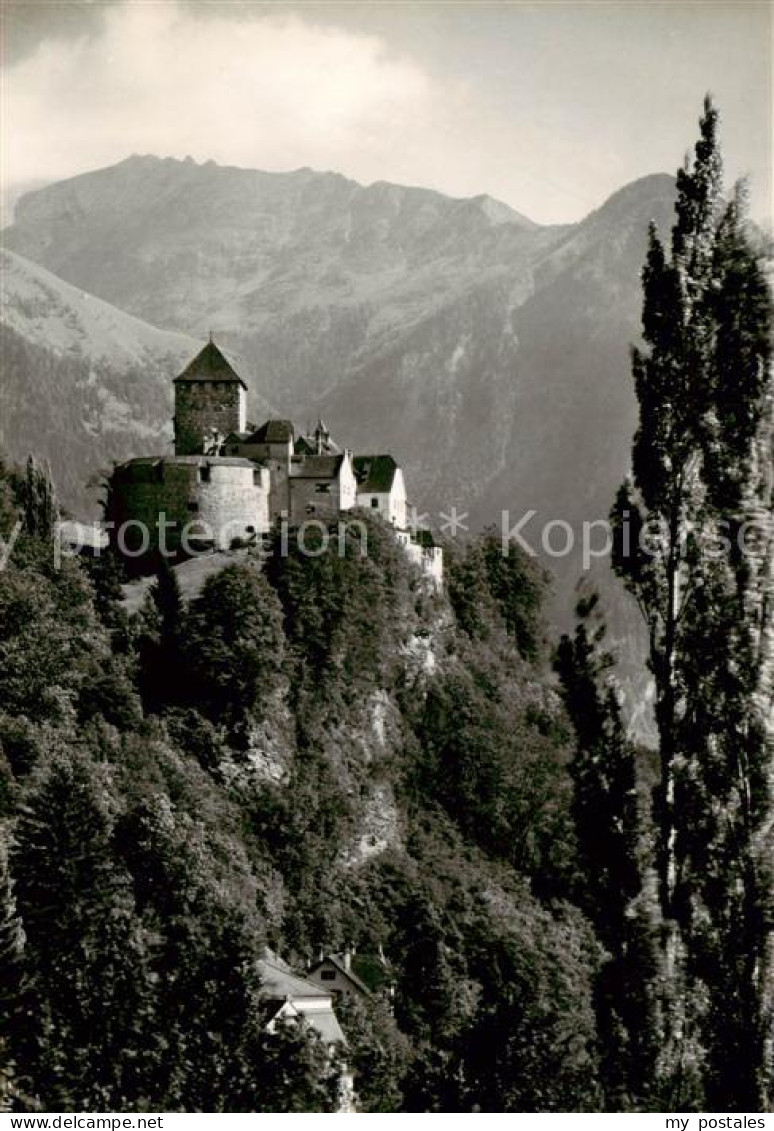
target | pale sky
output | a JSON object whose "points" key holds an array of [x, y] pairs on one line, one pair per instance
{"points": [[549, 106]]}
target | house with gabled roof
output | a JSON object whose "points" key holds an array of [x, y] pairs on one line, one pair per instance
{"points": [[287, 997], [381, 488], [274, 440], [336, 973]]}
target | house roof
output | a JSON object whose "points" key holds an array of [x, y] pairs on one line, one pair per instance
{"points": [[308, 445], [278, 983], [375, 473], [327, 1025], [284, 992], [424, 538], [316, 467], [273, 432], [338, 961], [324, 1021], [210, 364]]}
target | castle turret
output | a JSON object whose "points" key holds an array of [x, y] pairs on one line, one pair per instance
{"points": [[210, 401], [321, 436]]}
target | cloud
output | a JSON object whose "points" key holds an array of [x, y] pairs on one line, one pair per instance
{"points": [[271, 91], [550, 107]]}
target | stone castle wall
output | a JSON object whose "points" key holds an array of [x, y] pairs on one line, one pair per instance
{"points": [[235, 503], [210, 500], [306, 501], [429, 559]]}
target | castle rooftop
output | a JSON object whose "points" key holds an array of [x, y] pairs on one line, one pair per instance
{"points": [[315, 467], [273, 432], [211, 364], [194, 461], [374, 473]]}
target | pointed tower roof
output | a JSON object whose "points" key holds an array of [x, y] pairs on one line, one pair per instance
{"points": [[210, 364]]}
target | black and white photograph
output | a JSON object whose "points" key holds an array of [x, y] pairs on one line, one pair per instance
{"points": [[386, 561]]}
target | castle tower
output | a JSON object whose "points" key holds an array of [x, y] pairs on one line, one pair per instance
{"points": [[210, 403]]}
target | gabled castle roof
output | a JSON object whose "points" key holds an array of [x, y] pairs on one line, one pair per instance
{"points": [[316, 467], [210, 364], [309, 446], [375, 473], [273, 432]]}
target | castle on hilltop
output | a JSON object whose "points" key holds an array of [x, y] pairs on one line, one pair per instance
{"points": [[229, 482]]}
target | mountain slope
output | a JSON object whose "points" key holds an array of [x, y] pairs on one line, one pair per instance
{"points": [[57, 316]]}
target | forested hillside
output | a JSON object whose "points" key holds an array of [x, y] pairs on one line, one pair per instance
{"points": [[314, 754]]}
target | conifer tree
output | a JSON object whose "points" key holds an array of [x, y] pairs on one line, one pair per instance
{"points": [[700, 476], [89, 1026], [162, 669], [607, 825], [604, 776], [11, 983], [40, 507]]}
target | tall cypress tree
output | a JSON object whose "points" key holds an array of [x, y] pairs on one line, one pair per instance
{"points": [[162, 670], [700, 467], [726, 733], [607, 825], [40, 507], [604, 776]]}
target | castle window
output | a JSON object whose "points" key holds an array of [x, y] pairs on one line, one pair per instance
{"points": [[193, 507], [323, 488], [328, 975], [374, 502], [204, 474]]}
